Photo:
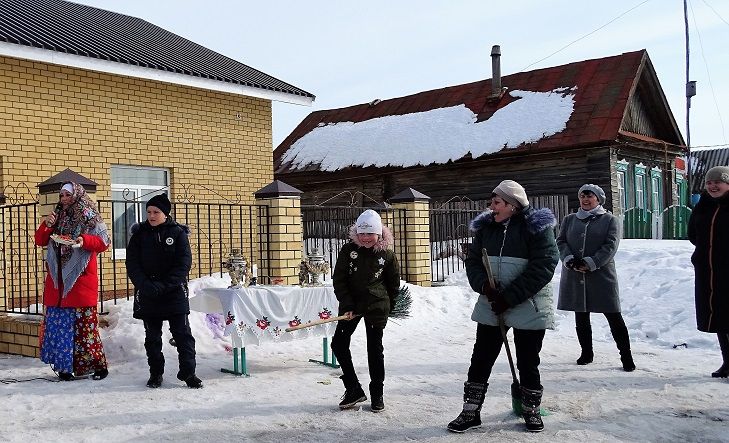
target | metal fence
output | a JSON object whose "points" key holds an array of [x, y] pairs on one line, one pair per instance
{"points": [[449, 240], [326, 230], [215, 229], [450, 235], [21, 262]]}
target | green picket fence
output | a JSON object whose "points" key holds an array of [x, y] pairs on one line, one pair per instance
{"points": [[637, 223], [675, 222]]}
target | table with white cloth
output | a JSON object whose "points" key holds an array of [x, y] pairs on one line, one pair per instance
{"points": [[255, 315]]}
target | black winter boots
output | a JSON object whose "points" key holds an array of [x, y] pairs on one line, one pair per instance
{"points": [[723, 371], [155, 381], [530, 401], [622, 340], [584, 336], [470, 417], [352, 396]]}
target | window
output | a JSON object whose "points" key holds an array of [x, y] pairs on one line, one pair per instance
{"points": [[622, 203], [131, 187], [640, 197], [656, 192], [681, 188], [621, 168], [639, 191]]}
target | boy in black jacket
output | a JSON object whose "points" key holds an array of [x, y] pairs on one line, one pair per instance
{"points": [[158, 261]]}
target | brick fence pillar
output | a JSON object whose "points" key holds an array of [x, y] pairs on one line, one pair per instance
{"points": [[283, 234], [416, 229]]}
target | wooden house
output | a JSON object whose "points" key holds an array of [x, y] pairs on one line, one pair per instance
{"points": [[608, 123]]}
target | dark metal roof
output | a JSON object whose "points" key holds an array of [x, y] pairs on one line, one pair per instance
{"points": [[54, 183], [702, 161], [71, 28]]}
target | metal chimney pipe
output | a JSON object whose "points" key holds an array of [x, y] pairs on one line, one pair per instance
{"points": [[496, 71]]}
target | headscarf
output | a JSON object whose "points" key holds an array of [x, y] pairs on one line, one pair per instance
{"points": [[81, 217]]}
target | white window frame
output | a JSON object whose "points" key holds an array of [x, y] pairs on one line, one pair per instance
{"points": [[139, 193], [640, 183]]}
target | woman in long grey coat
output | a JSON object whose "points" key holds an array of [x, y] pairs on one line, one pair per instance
{"points": [[587, 242]]}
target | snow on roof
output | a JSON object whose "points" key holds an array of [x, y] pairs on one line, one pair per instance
{"points": [[436, 136]]}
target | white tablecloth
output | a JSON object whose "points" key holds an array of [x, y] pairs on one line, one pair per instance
{"points": [[260, 314]]}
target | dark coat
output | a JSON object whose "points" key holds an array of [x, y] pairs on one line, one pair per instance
{"points": [[158, 262], [366, 280], [708, 230], [523, 256], [594, 239]]}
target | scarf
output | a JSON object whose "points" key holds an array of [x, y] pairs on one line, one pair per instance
{"points": [[81, 217], [597, 210]]}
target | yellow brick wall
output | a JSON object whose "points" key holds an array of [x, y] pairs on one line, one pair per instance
{"points": [[217, 146], [53, 117], [19, 336]]}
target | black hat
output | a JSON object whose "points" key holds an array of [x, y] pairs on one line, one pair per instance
{"points": [[161, 202]]}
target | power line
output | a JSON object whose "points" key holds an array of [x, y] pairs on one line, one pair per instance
{"points": [[706, 66], [714, 10], [584, 36]]}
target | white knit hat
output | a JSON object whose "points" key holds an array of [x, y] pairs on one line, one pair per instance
{"points": [[369, 222], [512, 192]]}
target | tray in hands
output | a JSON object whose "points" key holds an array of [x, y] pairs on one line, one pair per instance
{"points": [[64, 240]]}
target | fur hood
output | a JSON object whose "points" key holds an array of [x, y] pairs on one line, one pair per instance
{"points": [[386, 241], [537, 220]]}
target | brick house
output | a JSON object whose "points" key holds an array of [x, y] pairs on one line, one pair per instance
{"points": [[132, 107]]}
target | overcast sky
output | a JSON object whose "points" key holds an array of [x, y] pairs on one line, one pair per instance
{"points": [[350, 52]]}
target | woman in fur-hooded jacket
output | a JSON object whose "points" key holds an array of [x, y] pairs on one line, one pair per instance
{"points": [[520, 246]]}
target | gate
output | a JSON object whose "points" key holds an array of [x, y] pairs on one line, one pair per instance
{"points": [[450, 235], [325, 230]]}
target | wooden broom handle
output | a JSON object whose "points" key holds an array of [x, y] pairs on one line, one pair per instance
{"points": [[317, 322]]}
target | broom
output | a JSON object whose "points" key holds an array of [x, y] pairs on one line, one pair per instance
{"points": [[400, 309], [515, 387]]}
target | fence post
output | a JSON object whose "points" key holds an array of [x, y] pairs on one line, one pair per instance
{"points": [[283, 235], [415, 226]]}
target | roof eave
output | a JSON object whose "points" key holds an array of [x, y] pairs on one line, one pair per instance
{"points": [[111, 67]]}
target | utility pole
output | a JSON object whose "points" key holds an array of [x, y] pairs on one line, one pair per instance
{"points": [[690, 92]]}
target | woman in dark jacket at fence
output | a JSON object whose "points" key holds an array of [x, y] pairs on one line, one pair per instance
{"points": [[709, 231], [70, 339], [588, 241], [522, 253], [158, 261], [366, 281]]}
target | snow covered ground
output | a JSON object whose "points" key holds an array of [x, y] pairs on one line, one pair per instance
{"points": [[670, 397]]}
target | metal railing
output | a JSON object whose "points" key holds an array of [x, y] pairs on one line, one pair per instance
{"points": [[215, 229], [326, 229]]}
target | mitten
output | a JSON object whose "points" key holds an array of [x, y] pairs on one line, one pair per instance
{"points": [[499, 304], [490, 292]]}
